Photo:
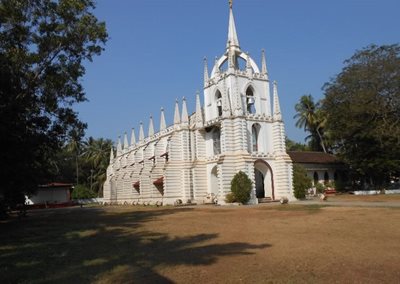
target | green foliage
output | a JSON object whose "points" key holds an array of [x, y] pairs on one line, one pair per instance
{"points": [[43, 45], [82, 192], [295, 146], [320, 187], [300, 182], [241, 187], [311, 118], [362, 107], [96, 155], [230, 198], [90, 163], [340, 185]]}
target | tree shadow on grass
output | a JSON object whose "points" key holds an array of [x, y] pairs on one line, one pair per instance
{"points": [[87, 245]]}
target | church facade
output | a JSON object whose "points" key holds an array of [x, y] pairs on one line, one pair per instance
{"points": [[238, 128]]}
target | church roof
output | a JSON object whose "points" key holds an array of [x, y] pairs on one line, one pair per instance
{"points": [[307, 157]]}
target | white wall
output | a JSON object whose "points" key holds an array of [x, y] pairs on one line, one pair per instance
{"points": [[49, 195]]}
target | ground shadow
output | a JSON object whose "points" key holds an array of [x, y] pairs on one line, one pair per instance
{"points": [[86, 245]]}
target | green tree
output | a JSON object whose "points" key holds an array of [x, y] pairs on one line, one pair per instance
{"points": [[301, 182], [82, 192], [295, 146], [74, 148], [96, 153], [43, 45], [310, 117], [362, 106], [241, 187]]}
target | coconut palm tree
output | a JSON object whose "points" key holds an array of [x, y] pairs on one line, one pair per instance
{"points": [[74, 147], [96, 153], [311, 119]]}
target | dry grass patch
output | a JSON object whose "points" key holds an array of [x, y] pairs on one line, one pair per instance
{"points": [[292, 243]]}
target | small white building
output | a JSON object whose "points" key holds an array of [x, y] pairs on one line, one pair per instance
{"points": [[52, 193], [236, 129]]}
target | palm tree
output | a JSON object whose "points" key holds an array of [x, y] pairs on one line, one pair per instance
{"points": [[96, 153], [311, 119], [74, 147]]}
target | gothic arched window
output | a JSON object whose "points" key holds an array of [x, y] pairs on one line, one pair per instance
{"points": [[326, 178], [216, 136], [255, 131], [316, 178], [218, 98], [250, 101]]}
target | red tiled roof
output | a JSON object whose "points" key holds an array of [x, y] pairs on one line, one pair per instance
{"points": [[312, 157], [56, 184]]}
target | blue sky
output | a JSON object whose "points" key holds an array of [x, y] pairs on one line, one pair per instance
{"points": [[156, 49]]}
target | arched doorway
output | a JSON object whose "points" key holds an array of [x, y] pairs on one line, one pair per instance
{"points": [[264, 180], [260, 186]]}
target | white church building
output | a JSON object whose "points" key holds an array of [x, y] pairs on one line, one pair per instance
{"points": [[239, 127]]}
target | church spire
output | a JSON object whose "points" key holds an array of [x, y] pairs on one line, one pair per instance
{"points": [[264, 70], [111, 154], [151, 127], [141, 132], [232, 36], [277, 109], [163, 125], [205, 72], [133, 137], [126, 145], [185, 116], [199, 115], [119, 146], [177, 117]]}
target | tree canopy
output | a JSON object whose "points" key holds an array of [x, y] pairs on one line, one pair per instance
{"points": [[88, 165], [43, 45], [295, 146], [362, 107]]}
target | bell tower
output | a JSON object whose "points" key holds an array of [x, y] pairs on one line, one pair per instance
{"points": [[241, 127], [236, 86]]}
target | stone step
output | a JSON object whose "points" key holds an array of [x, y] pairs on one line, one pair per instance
{"points": [[265, 200]]}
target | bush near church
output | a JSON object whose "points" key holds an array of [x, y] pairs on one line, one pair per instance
{"points": [[230, 198], [82, 192], [300, 182], [241, 187]]}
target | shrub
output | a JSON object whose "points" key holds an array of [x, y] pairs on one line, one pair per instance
{"points": [[82, 192], [330, 184], [300, 182], [320, 187], [241, 187], [230, 198]]}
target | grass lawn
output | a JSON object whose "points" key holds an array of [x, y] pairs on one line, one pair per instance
{"points": [[246, 244]]}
